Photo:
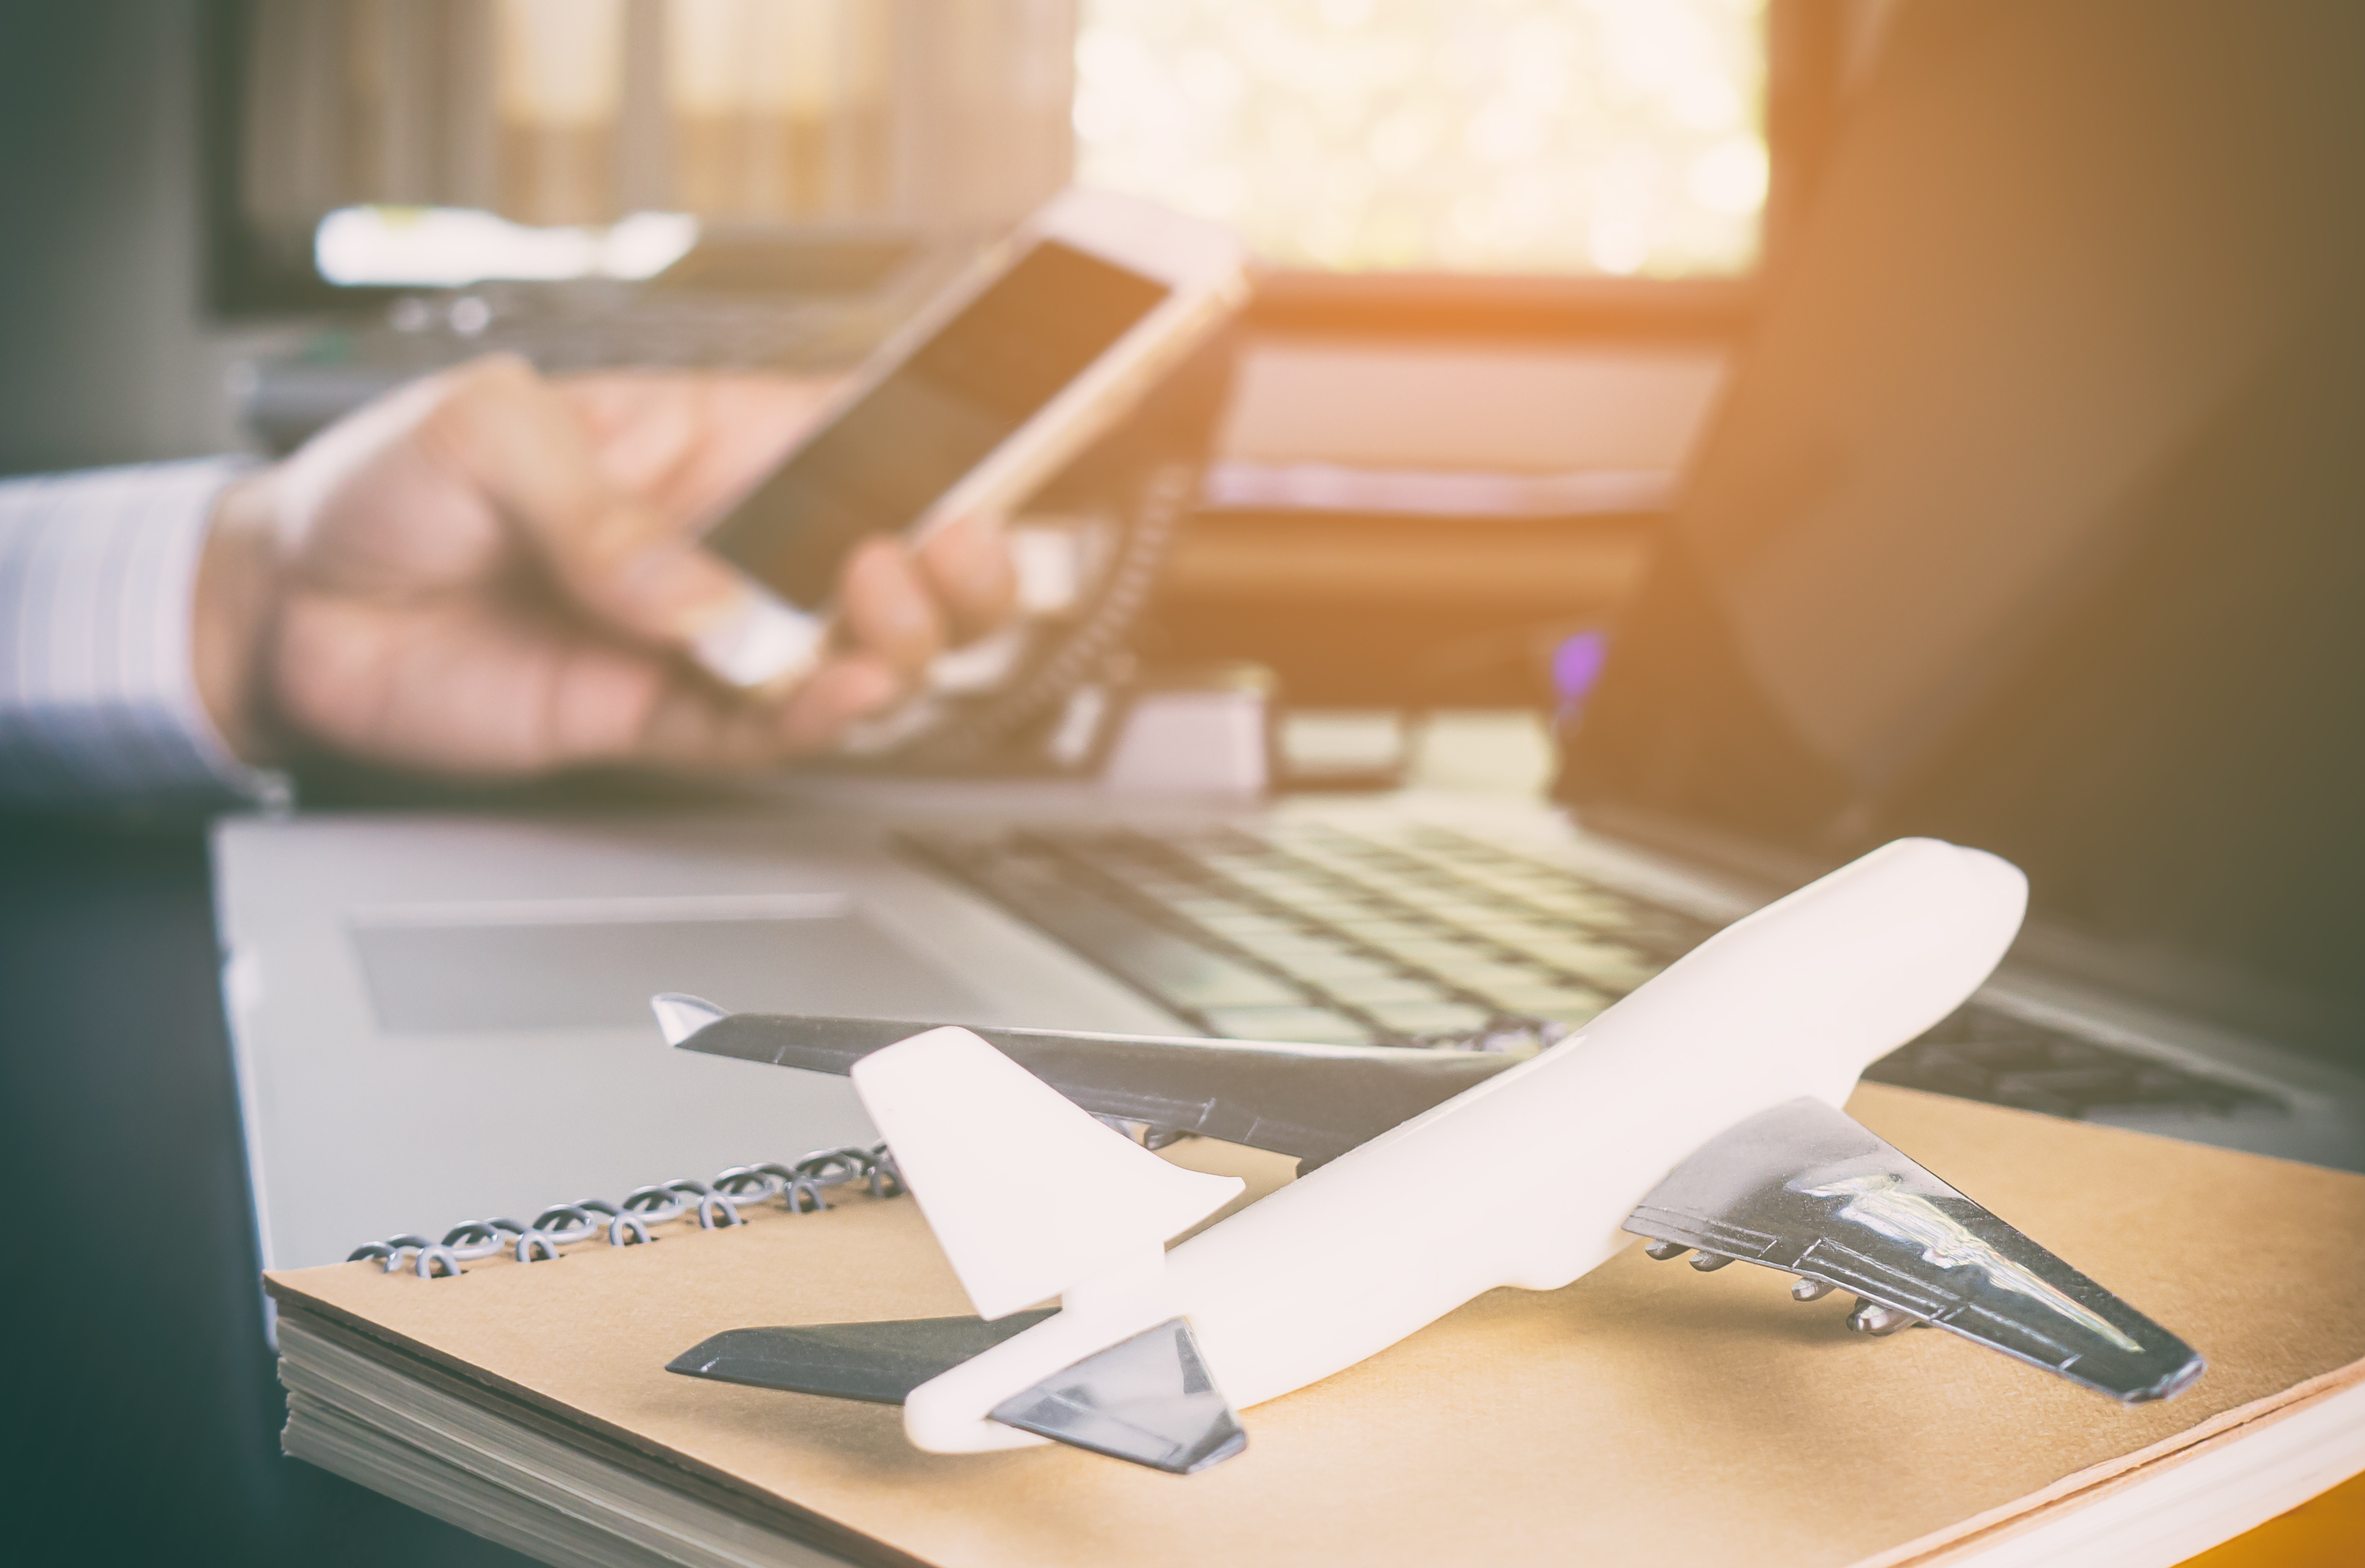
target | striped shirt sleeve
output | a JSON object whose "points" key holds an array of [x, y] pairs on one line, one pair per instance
{"points": [[99, 696]]}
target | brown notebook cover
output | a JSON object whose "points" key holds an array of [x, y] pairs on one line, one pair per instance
{"points": [[1646, 1413]]}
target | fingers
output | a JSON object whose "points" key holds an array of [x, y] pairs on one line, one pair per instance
{"points": [[885, 608], [523, 444], [452, 688], [692, 727], [642, 427], [850, 687], [967, 564], [905, 608], [692, 444], [474, 690]]}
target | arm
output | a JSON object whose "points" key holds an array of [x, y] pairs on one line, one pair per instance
{"points": [[97, 589]]}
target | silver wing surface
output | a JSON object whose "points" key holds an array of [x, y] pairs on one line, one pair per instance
{"points": [[880, 1363], [1807, 1189], [1148, 1399], [1311, 1102]]}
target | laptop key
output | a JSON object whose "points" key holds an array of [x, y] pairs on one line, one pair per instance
{"points": [[1200, 979], [1324, 934], [1429, 1018], [1487, 975], [1611, 968], [1377, 990], [1465, 916], [1173, 968], [1554, 1002], [1324, 969], [1206, 910], [1601, 914], [1376, 929], [1250, 929], [1306, 1026]]}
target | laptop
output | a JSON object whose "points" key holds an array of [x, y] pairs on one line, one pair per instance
{"points": [[2029, 520]]}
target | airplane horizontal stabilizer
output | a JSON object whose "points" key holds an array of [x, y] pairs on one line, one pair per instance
{"points": [[1148, 1399], [1313, 1103], [1027, 1193], [1806, 1188], [878, 1362]]}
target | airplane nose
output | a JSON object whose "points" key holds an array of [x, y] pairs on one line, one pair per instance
{"points": [[1998, 880]]}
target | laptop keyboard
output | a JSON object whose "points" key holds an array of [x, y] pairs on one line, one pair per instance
{"points": [[1420, 938], [1424, 936], [1978, 1053]]}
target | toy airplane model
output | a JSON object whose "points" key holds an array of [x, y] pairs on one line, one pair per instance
{"points": [[1702, 1112]]}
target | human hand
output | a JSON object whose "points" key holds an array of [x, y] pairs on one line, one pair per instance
{"points": [[489, 573]]}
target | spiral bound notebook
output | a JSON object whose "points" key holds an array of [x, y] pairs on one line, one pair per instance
{"points": [[1642, 1416], [801, 1188]]}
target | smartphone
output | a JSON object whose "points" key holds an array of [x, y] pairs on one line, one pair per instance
{"points": [[1043, 345]]}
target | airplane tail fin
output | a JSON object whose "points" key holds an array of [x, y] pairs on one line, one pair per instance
{"points": [[1028, 1196]]}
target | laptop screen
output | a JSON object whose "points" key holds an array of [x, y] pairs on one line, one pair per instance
{"points": [[2035, 515]]}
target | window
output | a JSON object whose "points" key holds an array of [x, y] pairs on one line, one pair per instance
{"points": [[1551, 139], [1607, 136]]}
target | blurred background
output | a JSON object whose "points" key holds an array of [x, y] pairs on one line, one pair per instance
{"points": [[1507, 249], [1507, 244]]}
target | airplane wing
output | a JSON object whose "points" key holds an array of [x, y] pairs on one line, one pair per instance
{"points": [[1313, 1102], [877, 1363], [1807, 1189]]}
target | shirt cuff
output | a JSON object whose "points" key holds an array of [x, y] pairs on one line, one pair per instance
{"points": [[98, 695]]}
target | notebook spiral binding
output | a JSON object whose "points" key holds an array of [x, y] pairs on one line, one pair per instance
{"points": [[716, 1203]]}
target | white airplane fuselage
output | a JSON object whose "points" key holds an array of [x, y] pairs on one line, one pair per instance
{"points": [[1526, 1178]]}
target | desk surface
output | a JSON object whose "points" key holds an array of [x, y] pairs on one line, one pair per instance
{"points": [[144, 1412]]}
